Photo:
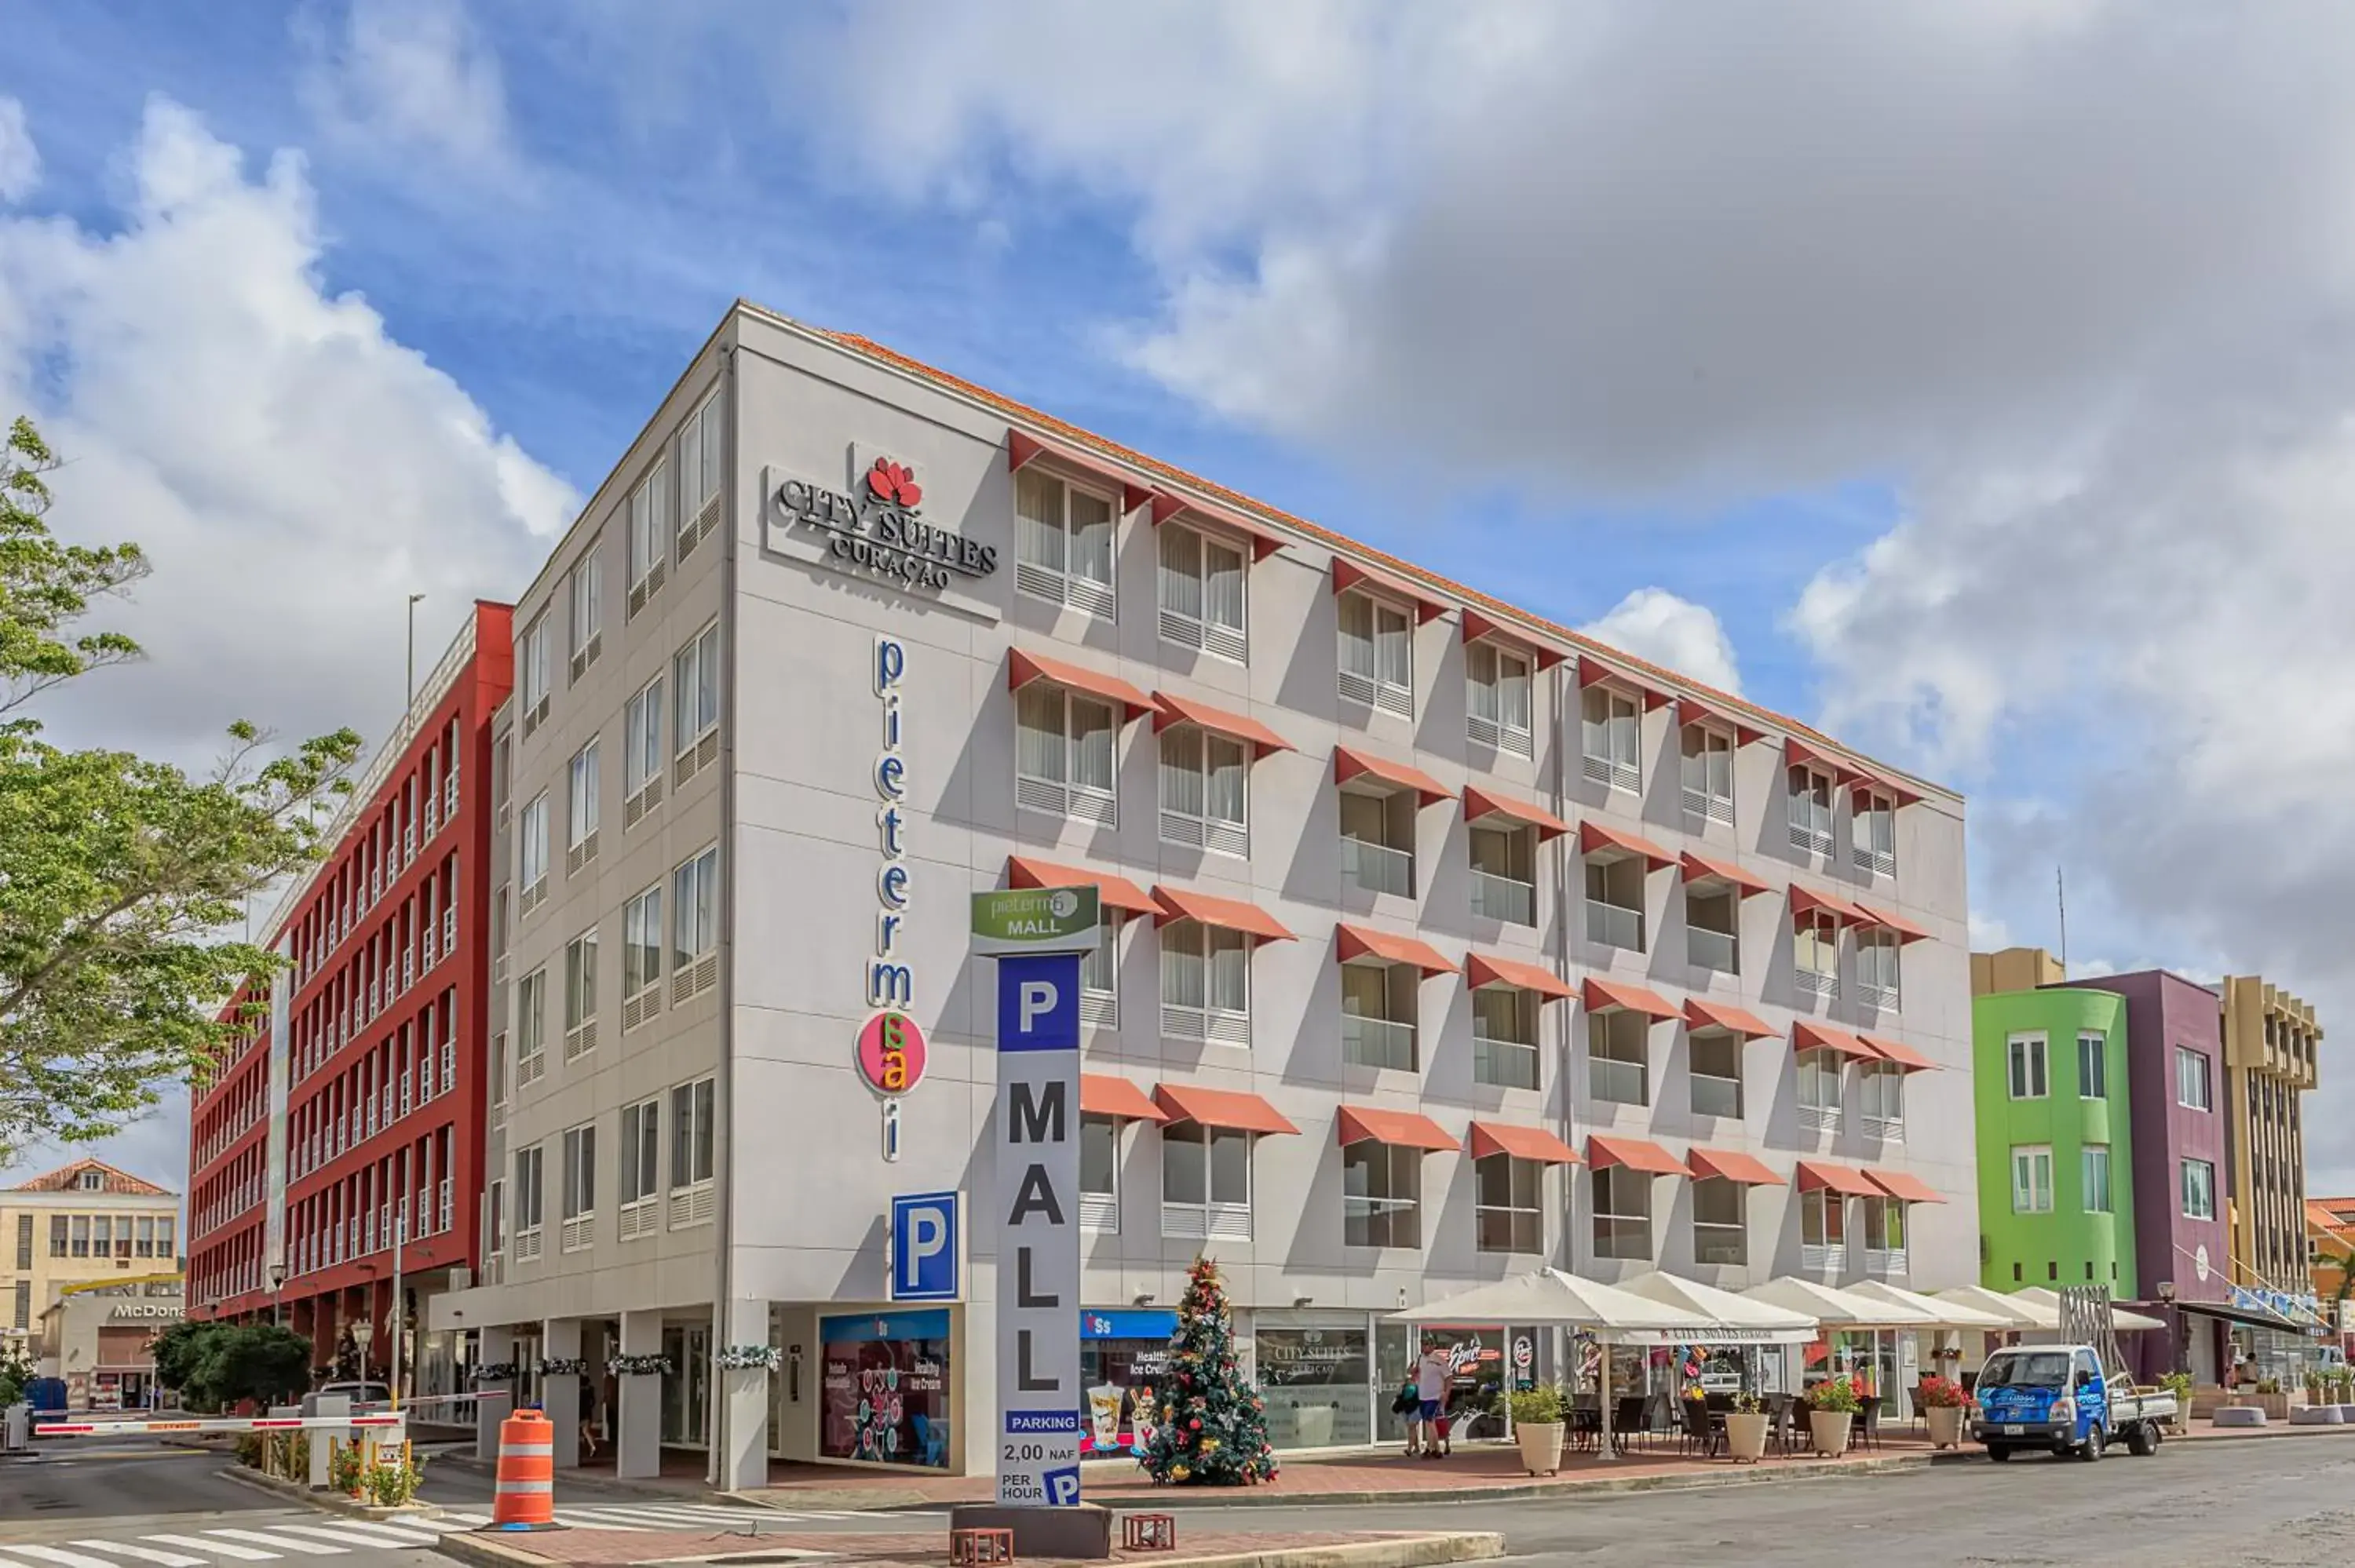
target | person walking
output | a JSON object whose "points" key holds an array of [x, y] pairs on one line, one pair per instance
{"points": [[588, 1417], [1431, 1376], [1408, 1406]]}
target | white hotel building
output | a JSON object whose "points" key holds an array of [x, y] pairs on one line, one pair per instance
{"points": [[1451, 943]]}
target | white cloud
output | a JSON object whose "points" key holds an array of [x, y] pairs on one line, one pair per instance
{"points": [[1988, 933], [404, 76], [20, 160], [1677, 634]]}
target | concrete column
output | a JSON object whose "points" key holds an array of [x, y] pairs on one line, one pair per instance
{"points": [[560, 1397], [494, 1345], [745, 1396], [637, 1415]]}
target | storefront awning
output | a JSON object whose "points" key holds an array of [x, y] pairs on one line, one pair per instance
{"points": [[1692, 710], [1348, 765], [1480, 803], [1023, 449], [1611, 996], [1347, 574], [1700, 1015], [1231, 1111], [1264, 542], [1394, 1128], [1226, 914], [1102, 1094], [1846, 1179], [1635, 1153], [1880, 783], [1112, 892], [1733, 1166], [1705, 868], [1483, 970], [1022, 668], [1480, 627], [1898, 1053], [1169, 709], [1804, 900], [1796, 751], [1594, 835], [1520, 1142], [1352, 943], [1806, 1036], [1903, 1185], [1593, 671], [1906, 930]]}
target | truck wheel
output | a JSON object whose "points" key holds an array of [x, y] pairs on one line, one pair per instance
{"points": [[1999, 1451], [2097, 1444], [2142, 1442]]}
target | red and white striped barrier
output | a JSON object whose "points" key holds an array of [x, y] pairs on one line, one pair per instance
{"points": [[220, 1423]]}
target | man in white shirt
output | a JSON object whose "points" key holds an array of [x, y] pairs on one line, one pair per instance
{"points": [[1431, 1376]]}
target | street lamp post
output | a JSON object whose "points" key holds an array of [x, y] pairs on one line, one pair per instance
{"points": [[363, 1331], [277, 1294]]}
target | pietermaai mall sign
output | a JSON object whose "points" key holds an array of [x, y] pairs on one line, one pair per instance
{"points": [[876, 529]]}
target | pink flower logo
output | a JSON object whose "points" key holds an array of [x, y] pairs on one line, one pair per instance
{"points": [[895, 482]]}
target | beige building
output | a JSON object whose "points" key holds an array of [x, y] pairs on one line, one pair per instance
{"points": [[82, 1222], [2014, 969], [2271, 1038]]}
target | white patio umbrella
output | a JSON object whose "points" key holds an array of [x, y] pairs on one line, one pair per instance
{"points": [[1735, 1320], [1837, 1309], [1943, 1311], [2047, 1301], [2015, 1312]]}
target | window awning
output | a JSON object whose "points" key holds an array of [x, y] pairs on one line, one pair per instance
{"points": [[1348, 765], [1706, 868], [1593, 671], [1168, 504], [1700, 1015], [1169, 709], [1635, 1153], [1231, 1111], [1102, 1094], [1839, 909], [1692, 710], [1480, 803], [1483, 970], [1900, 793], [1610, 996], [1846, 1179], [1732, 1165], [1348, 574], [1395, 1128], [1903, 1185], [1478, 627], [1353, 942], [1906, 930], [1796, 751], [1226, 914], [1112, 892], [1021, 669], [1898, 1052], [1594, 835], [1023, 449], [1805, 1036], [1520, 1142]]}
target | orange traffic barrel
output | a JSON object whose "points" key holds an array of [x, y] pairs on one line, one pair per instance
{"points": [[527, 1483]]}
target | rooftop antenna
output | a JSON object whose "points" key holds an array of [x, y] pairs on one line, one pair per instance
{"points": [[2060, 894]]}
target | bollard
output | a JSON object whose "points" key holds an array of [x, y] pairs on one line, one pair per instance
{"points": [[526, 1499]]}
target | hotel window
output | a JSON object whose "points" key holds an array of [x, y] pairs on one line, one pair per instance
{"points": [[531, 853], [700, 450], [1815, 953], [1876, 969], [695, 701], [1378, 829], [1504, 875], [1708, 774], [1380, 1005], [1498, 698], [1508, 1214], [1719, 1221], [1713, 930], [1716, 1060], [1205, 983], [1611, 732], [1205, 790], [1884, 1236], [531, 1027], [2193, 1086], [1504, 1037], [1875, 832], [502, 790], [2198, 1190], [58, 1231], [1819, 1089], [2026, 1057], [1811, 811], [527, 1211], [163, 1245], [1381, 1192], [1065, 752], [1202, 593], [25, 1241], [641, 1169], [2096, 1177], [581, 819], [1823, 1229], [1063, 543], [2032, 1180], [145, 1248], [585, 589], [2093, 1066], [1205, 1182], [580, 994], [1614, 902], [1881, 1098], [1623, 1212], [1618, 1057], [1099, 1174], [693, 1139], [649, 535], [695, 926], [23, 1315], [1377, 655], [579, 1187], [642, 752], [532, 674], [1100, 975]]}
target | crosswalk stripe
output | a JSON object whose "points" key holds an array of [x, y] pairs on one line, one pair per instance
{"points": [[144, 1554], [288, 1542], [450, 1520], [56, 1554], [218, 1548], [360, 1533]]}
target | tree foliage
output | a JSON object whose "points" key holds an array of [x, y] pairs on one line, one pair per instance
{"points": [[1209, 1423], [216, 1365], [120, 877]]}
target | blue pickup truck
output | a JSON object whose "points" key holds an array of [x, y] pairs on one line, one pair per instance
{"points": [[2059, 1398]]}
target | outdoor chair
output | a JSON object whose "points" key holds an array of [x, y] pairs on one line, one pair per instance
{"points": [[1868, 1425], [1627, 1421], [1700, 1428]]}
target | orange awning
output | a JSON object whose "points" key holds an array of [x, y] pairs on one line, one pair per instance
{"points": [[1845, 1179], [1363, 941], [1235, 1110], [1608, 996], [1112, 892], [1520, 1142], [1478, 626], [1263, 542], [1796, 751], [1169, 710], [1480, 803], [1730, 1165], [1593, 672], [1701, 867], [1805, 1036], [1692, 710], [1396, 1129], [1839, 909], [1023, 668], [1900, 793], [1101, 1094], [1023, 449], [1898, 1051], [1700, 1015], [1903, 1185], [1348, 574], [1348, 765], [1906, 930], [1484, 970], [1635, 1153], [1226, 914], [1594, 835]]}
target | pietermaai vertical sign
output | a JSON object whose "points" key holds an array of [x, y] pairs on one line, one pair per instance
{"points": [[1036, 935]]}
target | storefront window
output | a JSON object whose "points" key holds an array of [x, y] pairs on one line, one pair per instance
{"points": [[886, 1388], [1124, 1356], [1314, 1379]]}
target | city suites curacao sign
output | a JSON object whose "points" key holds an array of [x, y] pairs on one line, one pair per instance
{"points": [[875, 529]]}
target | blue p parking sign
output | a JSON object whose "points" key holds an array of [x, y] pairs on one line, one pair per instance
{"points": [[924, 1248]]}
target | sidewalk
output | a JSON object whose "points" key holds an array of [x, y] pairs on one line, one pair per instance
{"points": [[1291, 1549]]}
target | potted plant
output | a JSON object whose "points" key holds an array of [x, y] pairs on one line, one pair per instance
{"points": [[1746, 1429], [2268, 1397], [1832, 1406], [2178, 1383], [1537, 1427], [1943, 1404]]}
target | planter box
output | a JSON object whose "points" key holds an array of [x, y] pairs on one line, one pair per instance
{"points": [[1945, 1427], [1745, 1437], [1540, 1446], [1830, 1430]]}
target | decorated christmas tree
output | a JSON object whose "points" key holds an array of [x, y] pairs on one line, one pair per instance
{"points": [[1209, 1423]]}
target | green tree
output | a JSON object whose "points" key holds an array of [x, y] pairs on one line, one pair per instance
{"points": [[16, 1371], [215, 1365], [120, 877], [179, 1352], [1209, 1423]]}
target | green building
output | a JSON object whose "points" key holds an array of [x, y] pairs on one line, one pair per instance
{"points": [[2056, 1156]]}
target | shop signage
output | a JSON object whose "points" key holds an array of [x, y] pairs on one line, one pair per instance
{"points": [[1035, 920], [875, 528], [148, 1312], [891, 1045], [925, 1250], [891, 1053]]}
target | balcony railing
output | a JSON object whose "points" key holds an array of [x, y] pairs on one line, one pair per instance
{"points": [[1816, 983], [1617, 1237], [1615, 927], [1886, 1262], [1506, 1064], [1885, 1129], [1612, 774], [1502, 898], [1708, 807], [1815, 1258], [1377, 1043], [1720, 1244], [1621, 1082], [1207, 1222], [1713, 1096], [1378, 868], [1879, 862], [1710, 949], [1819, 1118], [1881, 998]]}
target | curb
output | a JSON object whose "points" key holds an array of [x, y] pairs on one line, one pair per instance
{"points": [[1405, 1551], [332, 1502], [470, 1465], [482, 1552]]}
